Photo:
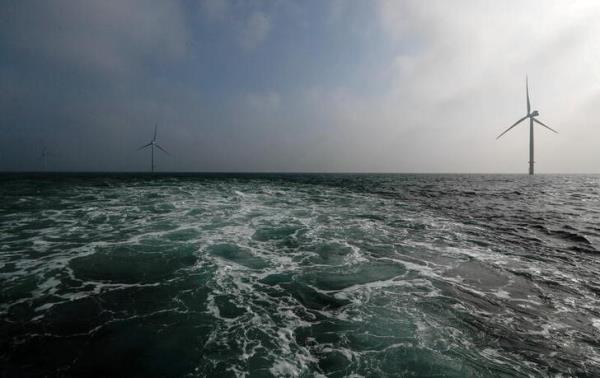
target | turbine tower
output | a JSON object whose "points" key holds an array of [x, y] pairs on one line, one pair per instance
{"points": [[531, 115], [153, 144]]}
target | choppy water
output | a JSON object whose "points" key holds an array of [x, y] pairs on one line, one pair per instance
{"points": [[300, 275]]}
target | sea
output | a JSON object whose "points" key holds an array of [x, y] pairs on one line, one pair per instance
{"points": [[299, 275]]}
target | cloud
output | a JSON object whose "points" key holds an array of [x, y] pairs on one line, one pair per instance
{"points": [[254, 30], [110, 36], [337, 10], [214, 9], [262, 103], [464, 44], [453, 82], [343, 86], [464, 76], [249, 22]]}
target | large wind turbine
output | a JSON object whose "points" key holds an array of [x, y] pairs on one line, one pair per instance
{"points": [[153, 144], [531, 115]]}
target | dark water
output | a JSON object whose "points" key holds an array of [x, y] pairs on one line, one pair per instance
{"points": [[300, 275]]}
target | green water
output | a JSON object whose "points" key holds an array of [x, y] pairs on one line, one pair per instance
{"points": [[299, 275]]}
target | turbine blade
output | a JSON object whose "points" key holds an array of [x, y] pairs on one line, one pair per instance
{"points": [[546, 126], [162, 149], [513, 125], [527, 91], [155, 127], [144, 146]]}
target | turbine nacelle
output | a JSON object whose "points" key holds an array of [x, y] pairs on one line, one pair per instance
{"points": [[534, 113]]}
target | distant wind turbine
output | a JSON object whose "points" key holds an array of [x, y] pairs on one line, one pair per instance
{"points": [[153, 144], [44, 157], [531, 115]]}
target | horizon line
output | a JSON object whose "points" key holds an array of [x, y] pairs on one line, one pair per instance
{"points": [[294, 172]]}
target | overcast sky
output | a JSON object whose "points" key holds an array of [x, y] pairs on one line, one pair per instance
{"points": [[353, 86]]}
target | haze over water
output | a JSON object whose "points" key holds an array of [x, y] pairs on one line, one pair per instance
{"points": [[299, 275]]}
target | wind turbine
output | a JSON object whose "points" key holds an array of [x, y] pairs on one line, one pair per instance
{"points": [[44, 155], [44, 158], [153, 144], [531, 115]]}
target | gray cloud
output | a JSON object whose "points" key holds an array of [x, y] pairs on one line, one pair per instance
{"points": [[463, 84], [110, 36], [445, 78], [255, 30], [214, 9]]}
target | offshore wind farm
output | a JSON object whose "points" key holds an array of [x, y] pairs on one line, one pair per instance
{"points": [[299, 189]]}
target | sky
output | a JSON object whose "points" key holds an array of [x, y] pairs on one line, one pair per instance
{"points": [[299, 86]]}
